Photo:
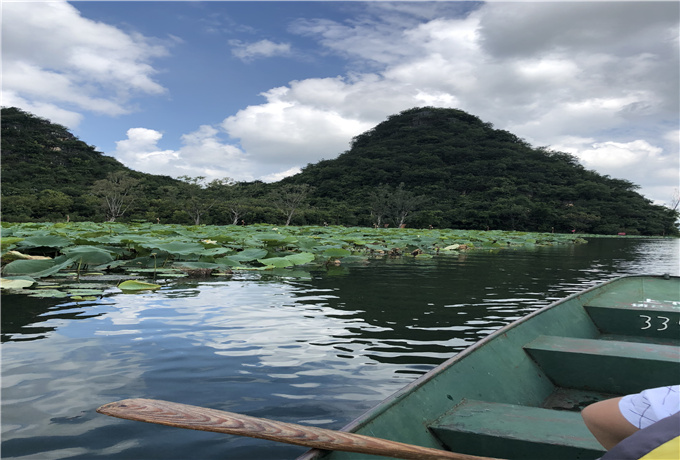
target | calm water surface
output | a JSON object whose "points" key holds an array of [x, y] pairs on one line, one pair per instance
{"points": [[317, 350]]}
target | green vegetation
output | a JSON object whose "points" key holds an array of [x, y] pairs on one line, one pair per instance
{"points": [[78, 259], [425, 167], [468, 175]]}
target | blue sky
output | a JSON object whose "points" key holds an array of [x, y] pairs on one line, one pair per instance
{"points": [[256, 90]]}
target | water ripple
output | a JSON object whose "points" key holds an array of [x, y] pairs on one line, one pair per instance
{"points": [[319, 350]]}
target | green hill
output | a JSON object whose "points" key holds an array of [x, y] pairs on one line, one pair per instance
{"points": [[472, 176], [422, 167], [47, 172]]}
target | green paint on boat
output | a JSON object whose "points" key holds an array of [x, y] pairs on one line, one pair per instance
{"points": [[518, 393]]}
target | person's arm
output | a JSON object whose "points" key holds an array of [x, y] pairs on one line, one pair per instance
{"points": [[605, 421]]}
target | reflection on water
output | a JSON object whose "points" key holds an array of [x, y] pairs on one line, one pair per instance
{"points": [[319, 350]]}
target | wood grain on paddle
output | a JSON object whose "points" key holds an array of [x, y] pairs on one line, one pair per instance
{"points": [[200, 418]]}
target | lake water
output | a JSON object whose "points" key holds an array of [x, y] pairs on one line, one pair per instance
{"points": [[317, 350]]}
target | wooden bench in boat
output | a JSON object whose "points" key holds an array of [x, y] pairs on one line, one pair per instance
{"points": [[618, 367], [516, 432], [605, 365]]}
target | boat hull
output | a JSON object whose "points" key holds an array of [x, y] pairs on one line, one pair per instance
{"points": [[517, 393]]}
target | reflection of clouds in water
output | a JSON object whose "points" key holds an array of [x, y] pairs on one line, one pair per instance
{"points": [[130, 308], [51, 387], [283, 325], [287, 328]]}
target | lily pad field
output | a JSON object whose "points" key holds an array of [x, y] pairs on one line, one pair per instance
{"points": [[81, 260]]}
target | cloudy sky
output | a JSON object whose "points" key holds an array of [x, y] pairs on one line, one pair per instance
{"points": [[256, 90]]}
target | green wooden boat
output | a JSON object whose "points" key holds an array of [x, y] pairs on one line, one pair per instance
{"points": [[517, 394]]}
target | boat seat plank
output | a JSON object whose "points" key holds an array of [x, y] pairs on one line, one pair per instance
{"points": [[636, 338], [644, 319], [516, 432], [610, 366]]}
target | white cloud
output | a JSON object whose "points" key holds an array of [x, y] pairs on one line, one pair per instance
{"points": [[637, 161], [262, 48], [605, 74], [599, 79], [45, 109], [275, 177], [54, 56], [140, 151], [39, 84], [616, 155], [202, 154], [288, 132]]}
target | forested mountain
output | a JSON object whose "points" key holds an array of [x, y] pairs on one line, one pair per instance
{"points": [[469, 175], [48, 173], [423, 167]]}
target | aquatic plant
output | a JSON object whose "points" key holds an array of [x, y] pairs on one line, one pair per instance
{"points": [[34, 253]]}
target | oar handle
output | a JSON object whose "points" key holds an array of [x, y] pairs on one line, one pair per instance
{"points": [[204, 419]]}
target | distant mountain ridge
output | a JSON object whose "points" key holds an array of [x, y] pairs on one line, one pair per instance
{"points": [[422, 167]]}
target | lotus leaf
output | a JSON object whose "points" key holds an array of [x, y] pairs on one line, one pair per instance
{"points": [[195, 265], [251, 243], [223, 238], [49, 293], [110, 265], [215, 251], [25, 267], [16, 282], [278, 262], [276, 239], [141, 262], [73, 286], [134, 285], [336, 252], [140, 240], [48, 241], [301, 258], [7, 242], [179, 248], [104, 239], [249, 254], [89, 255], [60, 264], [228, 261], [85, 292], [160, 271]]}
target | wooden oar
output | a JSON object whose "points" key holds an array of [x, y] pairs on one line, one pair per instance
{"points": [[201, 418]]}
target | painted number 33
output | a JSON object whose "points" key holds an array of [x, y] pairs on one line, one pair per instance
{"points": [[658, 322]]}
